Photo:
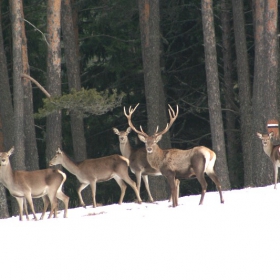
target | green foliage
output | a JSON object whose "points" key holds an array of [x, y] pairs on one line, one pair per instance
{"points": [[84, 101], [111, 45]]}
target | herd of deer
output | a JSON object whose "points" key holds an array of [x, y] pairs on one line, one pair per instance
{"points": [[174, 164]]}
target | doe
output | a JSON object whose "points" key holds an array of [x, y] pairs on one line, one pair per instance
{"points": [[273, 151], [92, 171], [45, 183]]}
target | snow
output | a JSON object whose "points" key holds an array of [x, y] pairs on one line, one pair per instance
{"points": [[237, 240]]}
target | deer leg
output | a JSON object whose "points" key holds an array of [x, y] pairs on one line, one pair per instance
{"points": [[203, 184], [215, 179], [177, 181], [63, 197], [82, 186], [29, 199], [173, 188], [123, 187], [54, 206], [138, 180], [130, 182], [275, 176], [122, 173], [20, 202], [25, 209], [146, 182], [46, 202], [198, 165], [93, 190], [178, 190]]}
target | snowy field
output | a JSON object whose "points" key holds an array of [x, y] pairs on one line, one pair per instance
{"points": [[239, 240]]}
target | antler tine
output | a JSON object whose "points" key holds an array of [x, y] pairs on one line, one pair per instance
{"points": [[173, 116], [128, 116], [142, 130], [156, 130], [130, 110]]}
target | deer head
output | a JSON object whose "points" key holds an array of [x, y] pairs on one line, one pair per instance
{"points": [[4, 156], [266, 138], [122, 134], [57, 159], [151, 141]]}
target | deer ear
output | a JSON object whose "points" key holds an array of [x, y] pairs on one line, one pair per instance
{"points": [[128, 130], [116, 131], [259, 135], [158, 138], [10, 152], [271, 134], [58, 151], [142, 138]]}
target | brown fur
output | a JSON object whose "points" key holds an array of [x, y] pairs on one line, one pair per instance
{"points": [[45, 183], [272, 151], [178, 164], [139, 164], [92, 171]]}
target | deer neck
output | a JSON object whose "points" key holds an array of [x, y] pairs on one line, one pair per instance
{"points": [[126, 149], [268, 149], [156, 158], [7, 175], [68, 164]]}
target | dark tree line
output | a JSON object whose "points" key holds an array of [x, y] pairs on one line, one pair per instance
{"points": [[218, 60]]}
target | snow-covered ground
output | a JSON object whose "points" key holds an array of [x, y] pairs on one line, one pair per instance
{"points": [[238, 240]]}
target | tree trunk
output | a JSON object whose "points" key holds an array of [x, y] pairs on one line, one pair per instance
{"points": [[6, 116], [264, 105], [231, 134], [155, 98], [54, 134], [73, 73], [6, 104], [18, 160], [19, 156], [31, 152], [214, 103], [70, 42], [244, 89], [260, 170], [271, 47]]}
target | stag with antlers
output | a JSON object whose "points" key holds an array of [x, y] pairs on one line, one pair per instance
{"points": [[178, 164]]}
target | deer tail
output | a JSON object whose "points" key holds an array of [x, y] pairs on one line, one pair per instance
{"points": [[126, 160]]}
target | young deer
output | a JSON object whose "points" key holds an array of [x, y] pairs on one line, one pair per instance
{"points": [[178, 164], [92, 171], [138, 162], [33, 184], [273, 151]]}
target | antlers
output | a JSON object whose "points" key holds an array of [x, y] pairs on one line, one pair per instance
{"points": [[128, 116], [172, 115]]}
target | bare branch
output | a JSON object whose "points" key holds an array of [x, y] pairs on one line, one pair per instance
{"points": [[38, 30], [37, 84]]}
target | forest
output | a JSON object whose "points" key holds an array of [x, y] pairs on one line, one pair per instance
{"points": [[68, 68]]}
